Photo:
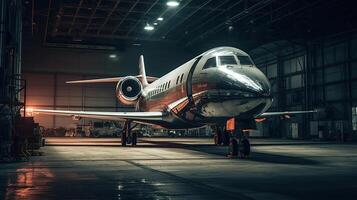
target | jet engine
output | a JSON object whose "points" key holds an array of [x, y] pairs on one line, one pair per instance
{"points": [[128, 90]]}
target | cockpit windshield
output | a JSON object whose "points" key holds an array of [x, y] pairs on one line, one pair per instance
{"points": [[245, 60], [231, 59], [227, 60], [210, 63]]}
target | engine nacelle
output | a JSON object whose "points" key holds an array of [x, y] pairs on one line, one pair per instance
{"points": [[128, 90]]}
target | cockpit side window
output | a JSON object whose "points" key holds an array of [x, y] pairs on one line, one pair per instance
{"points": [[245, 60], [211, 62], [227, 60]]}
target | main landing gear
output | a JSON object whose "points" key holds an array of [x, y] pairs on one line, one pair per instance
{"points": [[221, 136], [128, 136]]}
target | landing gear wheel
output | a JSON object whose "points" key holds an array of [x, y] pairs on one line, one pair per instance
{"points": [[233, 147], [126, 133], [226, 138], [123, 139], [218, 138], [215, 139], [244, 148], [134, 138]]}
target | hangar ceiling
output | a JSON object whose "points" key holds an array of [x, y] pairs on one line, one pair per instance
{"points": [[249, 22]]}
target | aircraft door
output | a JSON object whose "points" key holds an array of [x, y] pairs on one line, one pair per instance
{"points": [[189, 81]]}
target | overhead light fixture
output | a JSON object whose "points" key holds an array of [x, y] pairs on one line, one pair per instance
{"points": [[148, 27], [172, 3], [155, 23], [113, 56], [160, 18]]}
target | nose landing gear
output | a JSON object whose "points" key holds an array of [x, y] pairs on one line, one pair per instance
{"points": [[239, 147], [239, 143]]}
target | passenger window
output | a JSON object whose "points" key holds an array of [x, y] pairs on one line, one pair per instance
{"points": [[245, 60], [168, 86], [181, 78], [177, 80], [210, 63], [227, 60]]}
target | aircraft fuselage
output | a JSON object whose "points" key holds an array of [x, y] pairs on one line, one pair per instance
{"points": [[209, 89]]}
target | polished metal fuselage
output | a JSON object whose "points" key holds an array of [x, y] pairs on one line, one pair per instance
{"points": [[207, 96]]}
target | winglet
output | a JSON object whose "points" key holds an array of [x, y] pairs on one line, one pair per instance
{"points": [[142, 71]]}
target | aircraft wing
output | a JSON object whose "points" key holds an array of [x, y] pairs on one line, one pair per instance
{"points": [[269, 114], [118, 116]]}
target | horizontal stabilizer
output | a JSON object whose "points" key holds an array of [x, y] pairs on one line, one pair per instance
{"points": [[150, 79], [99, 80]]}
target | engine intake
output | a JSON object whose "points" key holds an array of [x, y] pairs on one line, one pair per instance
{"points": [[128, 90]]}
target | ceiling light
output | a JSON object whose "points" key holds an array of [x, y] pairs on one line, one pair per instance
{"points": [[148, 27], [172, 3], [112, 56], [155, 23], [160, 19]]}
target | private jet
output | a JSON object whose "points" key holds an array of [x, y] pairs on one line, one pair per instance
{"points": [[217, 86]]}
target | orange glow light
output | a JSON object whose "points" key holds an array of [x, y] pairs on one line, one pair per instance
{"points": [[29, 112], [230, 126]]}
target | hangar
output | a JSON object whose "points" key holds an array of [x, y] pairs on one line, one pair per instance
{"points": [[288, 66]]}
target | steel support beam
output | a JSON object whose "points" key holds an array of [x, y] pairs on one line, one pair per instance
{"points": [[125, 16], [142, 17], [108, 16], [91, 17], [75, 15]]}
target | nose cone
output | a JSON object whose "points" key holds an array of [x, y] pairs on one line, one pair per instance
{"points": [[250, 80], [242, 92]]}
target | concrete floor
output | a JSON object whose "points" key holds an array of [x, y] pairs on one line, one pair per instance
{"points": [[183, 169]]}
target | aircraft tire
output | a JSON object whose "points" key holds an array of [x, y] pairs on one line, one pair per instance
{"points": [[225, 138], [219, 137], [244, 148], [134, 139], [233, 147], [215, 139], [123, 139]]}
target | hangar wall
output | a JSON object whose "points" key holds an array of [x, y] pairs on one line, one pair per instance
{"points": [[319, 74], [159, 59], [47, 69], [48, 90]]}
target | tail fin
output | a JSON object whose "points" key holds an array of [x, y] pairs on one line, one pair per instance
{"points": [[142, 71]]}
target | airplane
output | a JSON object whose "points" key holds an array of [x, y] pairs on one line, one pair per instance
{"points": [[220, 84]]}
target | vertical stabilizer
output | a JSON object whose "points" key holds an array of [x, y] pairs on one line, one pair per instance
{"points": [[142, 71]]}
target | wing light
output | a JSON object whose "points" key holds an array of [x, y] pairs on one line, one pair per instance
{"points": [[260, 120]]}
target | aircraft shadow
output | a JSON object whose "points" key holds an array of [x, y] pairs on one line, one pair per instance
{"points": [[255, 156]]}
